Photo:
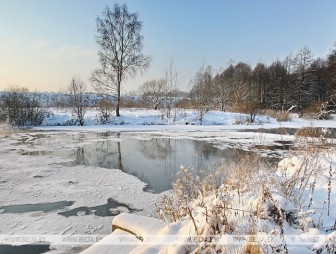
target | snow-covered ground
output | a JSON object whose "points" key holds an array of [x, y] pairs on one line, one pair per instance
{"points": [[137, 119], [154, 117], [46, 179]]}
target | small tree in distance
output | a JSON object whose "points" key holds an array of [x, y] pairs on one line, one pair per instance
{"points": [[120, 54], [171, 82], [152, 92], [77, 99], [202, 90]]}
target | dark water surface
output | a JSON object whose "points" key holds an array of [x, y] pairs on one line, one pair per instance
{"points": [[42, 207], [24, 249], [111, 208]]}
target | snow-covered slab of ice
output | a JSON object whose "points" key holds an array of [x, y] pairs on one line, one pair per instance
{"points": [[118, 242], [137, 225]]}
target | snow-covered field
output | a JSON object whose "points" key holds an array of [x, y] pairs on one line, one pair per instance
{"points": [[47, 181], [152, 117], [137, 119]]}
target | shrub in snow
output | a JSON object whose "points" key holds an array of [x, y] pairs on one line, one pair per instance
{"points": [[21, 108], [279, 115], [309, 131], [250, 198], [105, 106], [250, 108], [328, 246], [241, 119]]}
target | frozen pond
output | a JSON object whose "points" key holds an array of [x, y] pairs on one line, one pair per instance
{"points": [[154, 161], [64, 183]]}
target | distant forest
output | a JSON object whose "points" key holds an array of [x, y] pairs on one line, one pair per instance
{"points": [[296, 82]]}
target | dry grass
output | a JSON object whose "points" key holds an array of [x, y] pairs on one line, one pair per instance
{"points": [[252, 249], [313, 109], [306, 132], [230, 209], [185, 104], [279, 115], [244, 107], [185, 189], [238, 107], [231, 185], [239, 174], [240, 120]]}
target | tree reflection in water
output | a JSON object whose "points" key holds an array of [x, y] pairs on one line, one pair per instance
{"points": [[155, 161], [156, 148]]}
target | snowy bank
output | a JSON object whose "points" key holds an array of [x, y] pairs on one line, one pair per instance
{"points": [[148, 120], [291, 210], [153, 117]]}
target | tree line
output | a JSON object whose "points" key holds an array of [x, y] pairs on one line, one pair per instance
{"points": [[296, 82]]}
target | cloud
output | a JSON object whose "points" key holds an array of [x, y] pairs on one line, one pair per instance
{"points": [[71, 52]]}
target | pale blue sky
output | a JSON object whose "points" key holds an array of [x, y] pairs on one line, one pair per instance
{"points": [[44, 42]]}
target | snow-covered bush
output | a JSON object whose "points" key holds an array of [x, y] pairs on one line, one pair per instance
{"points": [[253, 199]]}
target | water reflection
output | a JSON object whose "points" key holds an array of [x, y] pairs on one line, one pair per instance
{"points": [[155, 161], [156, 149]]}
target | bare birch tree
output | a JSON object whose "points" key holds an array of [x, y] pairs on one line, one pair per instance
{"points": [[120, 41]]}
